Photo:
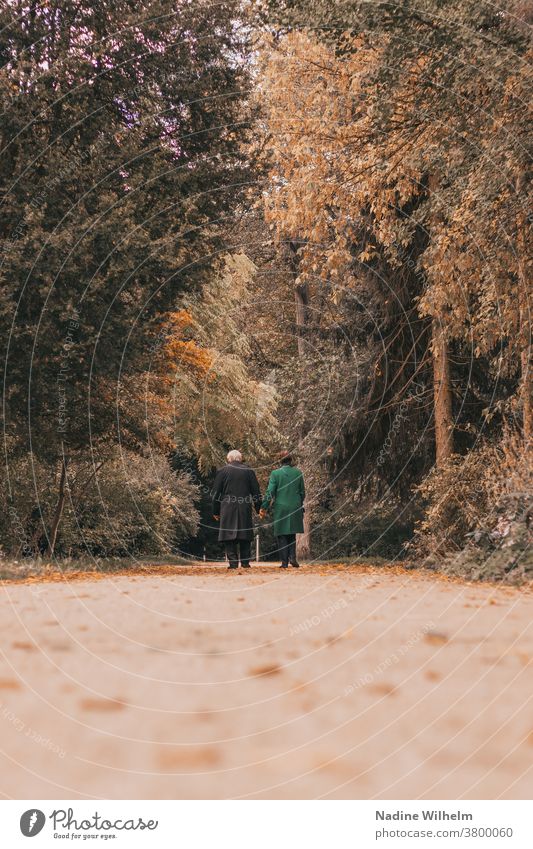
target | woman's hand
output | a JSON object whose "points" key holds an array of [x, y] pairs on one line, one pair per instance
{"points": [[262, 513]]}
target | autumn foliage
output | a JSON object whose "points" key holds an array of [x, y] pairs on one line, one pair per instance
{"points": [[398, 149]]}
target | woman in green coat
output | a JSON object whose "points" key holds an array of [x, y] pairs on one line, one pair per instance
{"points": [[287, 492]]}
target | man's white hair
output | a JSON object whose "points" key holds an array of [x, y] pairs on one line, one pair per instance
{"points": [[234, 457]]}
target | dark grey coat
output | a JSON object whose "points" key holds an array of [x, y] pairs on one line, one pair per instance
{"points": [[235, 492]]}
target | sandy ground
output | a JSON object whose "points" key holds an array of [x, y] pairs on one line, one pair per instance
{"points": [[334, 683]]}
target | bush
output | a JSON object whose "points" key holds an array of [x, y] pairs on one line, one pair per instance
{"points": [[480, 507], [131, 505]]}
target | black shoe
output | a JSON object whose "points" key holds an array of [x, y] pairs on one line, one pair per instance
{"points": [[284, 566], [295, 564], [245, 565], [233, 566]]}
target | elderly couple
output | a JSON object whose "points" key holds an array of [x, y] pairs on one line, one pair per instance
{"points": [[236, 490]]}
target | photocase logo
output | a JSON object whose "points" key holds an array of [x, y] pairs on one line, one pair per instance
{"points": [[32, 822]]}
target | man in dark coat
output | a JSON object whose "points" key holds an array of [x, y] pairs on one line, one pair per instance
{"points": [[235, 492]]}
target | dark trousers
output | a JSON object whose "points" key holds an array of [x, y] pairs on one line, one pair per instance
{"points": [[287, 548], [233, 546]]}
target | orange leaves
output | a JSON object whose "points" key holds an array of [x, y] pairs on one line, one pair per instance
{"points": [[179, 320], [180, 353], [183, 353]]}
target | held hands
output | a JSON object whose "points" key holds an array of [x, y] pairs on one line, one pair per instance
{"points": [[262, 513], [216, 518]]}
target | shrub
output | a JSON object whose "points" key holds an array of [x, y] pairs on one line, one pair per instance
{"points": [[130, 505], [480, 507]]}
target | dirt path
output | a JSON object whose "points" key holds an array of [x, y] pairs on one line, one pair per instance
{"points": [[313, 683]]}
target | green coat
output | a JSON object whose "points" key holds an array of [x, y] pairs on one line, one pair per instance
{"points": [[286, 489]]}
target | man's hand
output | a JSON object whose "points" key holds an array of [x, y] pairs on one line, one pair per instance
{"points": [[216, 518], [262, 513]]}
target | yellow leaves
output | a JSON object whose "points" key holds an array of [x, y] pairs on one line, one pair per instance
{"points": [[368, 254], [339, 148]]}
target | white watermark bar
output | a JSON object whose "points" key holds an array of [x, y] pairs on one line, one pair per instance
{"points": [[275, 824]]}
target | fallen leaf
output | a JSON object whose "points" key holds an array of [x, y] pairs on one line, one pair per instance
{"points": [[382, 689], [267, 669], [24, 646], [436, 637], [188, 757], [9, 684], [431, 675]]}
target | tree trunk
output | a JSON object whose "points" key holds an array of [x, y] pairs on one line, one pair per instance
{"points": [[524, 317], [59, 507], [301, 298], [442, 390], [301, 301], [304, 540], [442, 394], [527, 394]]}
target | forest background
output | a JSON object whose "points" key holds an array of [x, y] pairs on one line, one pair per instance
{"points": [[261, 225]]}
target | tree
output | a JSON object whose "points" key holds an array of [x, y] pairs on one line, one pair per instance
{"points": [[425, 93], [397, 139], [121, 156]]}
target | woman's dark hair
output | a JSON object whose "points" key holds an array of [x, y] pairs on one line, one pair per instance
{"points": [[285, 458]]}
